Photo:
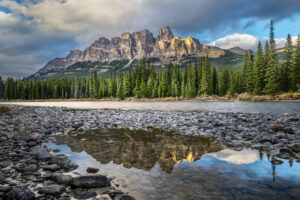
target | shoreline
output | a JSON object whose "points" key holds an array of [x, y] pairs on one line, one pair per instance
{"points": [[290, 97], [23, 129]]}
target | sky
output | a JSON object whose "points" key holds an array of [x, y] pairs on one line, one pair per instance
{"points": [[32, 32]]}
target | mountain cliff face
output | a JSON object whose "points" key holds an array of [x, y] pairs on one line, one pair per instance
{"points": [[134, 46]]}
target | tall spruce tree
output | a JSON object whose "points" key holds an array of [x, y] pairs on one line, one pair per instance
{"points": [[295, 71], [287, 65], [272, 67], [259, 71]]}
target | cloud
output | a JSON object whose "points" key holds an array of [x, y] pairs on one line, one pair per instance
{"points": [[244, 41], [245, 156], [280, 42], [39, 27]]}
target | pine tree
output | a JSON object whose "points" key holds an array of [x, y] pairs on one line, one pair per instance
{"points": [[214, 81], [272, 67], [250, 75], [143, 90], [259, 71], [206, 81], [295, 71], [286, 67]]}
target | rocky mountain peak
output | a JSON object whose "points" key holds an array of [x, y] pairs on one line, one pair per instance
{"points": [[134, 46], [165, 34], [102, 42], [74, 54]]}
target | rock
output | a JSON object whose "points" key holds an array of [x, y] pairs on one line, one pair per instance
{"points": [[92, 170], [20, 193], [285, 150], [277, 128], [52, 167], [85, 195], [5, 189], [52, 190], [2, 180], [30, 168], [63, 161], [288, 130], [41, 153], [92, 181], [4, 164], [295, 147], [61, 179], [276, 162], [123, 197]]}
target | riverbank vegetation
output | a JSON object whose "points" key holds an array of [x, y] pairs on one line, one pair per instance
{"points": [[262, 75]]}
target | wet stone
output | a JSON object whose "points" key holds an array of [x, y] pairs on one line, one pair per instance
{"points": [[52, 190], [92, 170], [85, 195], [92, 181], [20, 193], [61, 179]]}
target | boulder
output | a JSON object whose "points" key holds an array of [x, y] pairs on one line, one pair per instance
{"points": [[295, 147], [92, 170], [20, 193], [85, 195], [93, 181], [52, 190], [41, 153], [61, 179]]}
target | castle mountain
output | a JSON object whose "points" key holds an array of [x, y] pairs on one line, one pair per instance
{"points": [[165, 48]]}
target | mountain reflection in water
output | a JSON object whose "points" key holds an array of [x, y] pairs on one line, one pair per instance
{"points": [[139, 149], [161, 165]]}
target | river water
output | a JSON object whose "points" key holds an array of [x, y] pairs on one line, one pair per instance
{"points": [[160, 165], [216, 106]]}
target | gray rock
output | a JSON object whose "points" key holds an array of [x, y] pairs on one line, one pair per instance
{"points": [[52, 190], [52, 167], [123, 197], [30, 168], [61, 179], [41, 153], [20, 193], [92, 181], [295, 147], [63, 161], [85, 195], [92, 170]]}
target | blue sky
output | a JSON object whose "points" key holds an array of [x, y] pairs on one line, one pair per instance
{"points": [[35, 31]]}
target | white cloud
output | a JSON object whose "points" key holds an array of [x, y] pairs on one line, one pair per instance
{"points": [[244, 41], [245, 156], [280, 42]]}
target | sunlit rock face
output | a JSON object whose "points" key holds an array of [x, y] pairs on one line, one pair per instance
{"points": [[141, 150], [136, 45]]}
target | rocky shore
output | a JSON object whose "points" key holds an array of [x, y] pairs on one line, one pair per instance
{"points": [[31, 171]]}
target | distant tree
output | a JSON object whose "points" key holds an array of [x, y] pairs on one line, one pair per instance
{"points": [[286, 67], [259, 71], [295, 69]]}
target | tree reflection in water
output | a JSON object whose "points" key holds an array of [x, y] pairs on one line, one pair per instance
{"points": [[139, 149]]}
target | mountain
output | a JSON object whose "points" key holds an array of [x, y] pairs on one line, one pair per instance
{"points": [[239, 50], [105, 55]]}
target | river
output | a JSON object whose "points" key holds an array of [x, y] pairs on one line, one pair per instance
{"points": [[214, 106]]}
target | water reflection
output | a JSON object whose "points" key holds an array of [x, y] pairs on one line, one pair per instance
{"points": [[139, 149], [165, 166], [246, 156]]}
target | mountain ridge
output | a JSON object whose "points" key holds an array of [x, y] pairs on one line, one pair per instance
{"points": [[166, 47]]}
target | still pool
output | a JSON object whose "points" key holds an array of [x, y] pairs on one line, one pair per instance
{"points": [[162, 165]]}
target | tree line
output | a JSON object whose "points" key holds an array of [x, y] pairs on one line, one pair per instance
{"points": [[262, 74]]}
